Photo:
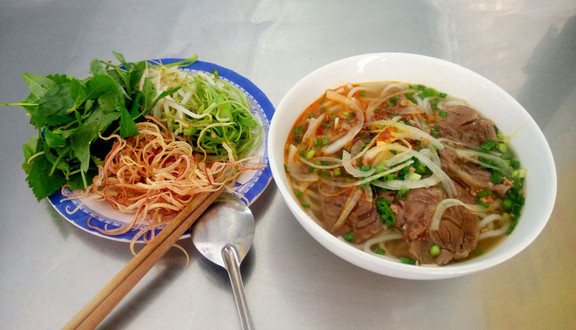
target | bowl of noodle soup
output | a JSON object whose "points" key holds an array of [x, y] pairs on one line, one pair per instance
{"points": [[380, 159]]}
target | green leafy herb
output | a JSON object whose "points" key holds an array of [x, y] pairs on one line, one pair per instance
{"points": [[70, 113]]}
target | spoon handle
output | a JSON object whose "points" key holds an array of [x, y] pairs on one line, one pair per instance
{"points": [[232, 263]]}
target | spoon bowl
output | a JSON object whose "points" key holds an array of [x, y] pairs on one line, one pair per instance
{"points": [[224, 235]]}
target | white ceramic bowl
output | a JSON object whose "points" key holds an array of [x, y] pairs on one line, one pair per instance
{"points": [[489, 99]]}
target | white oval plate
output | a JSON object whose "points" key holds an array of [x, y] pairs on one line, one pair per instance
{"points": [[251, 184]]}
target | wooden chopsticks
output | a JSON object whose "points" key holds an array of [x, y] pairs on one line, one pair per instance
{"points": [[98, 308]]}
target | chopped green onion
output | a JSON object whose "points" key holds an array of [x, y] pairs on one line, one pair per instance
{"points": [[484, 193], [324, 141], [443, 114], [495, 177], [311, 115], [379, 250], [408, 261], [337, 171], [309, 154], [363, 93], [488, 145], [502, 147], [386, 214], [401, 194], [434, 250], [394, 99], [298, 193], [442, 95], [306, 205], [365, 168], [349, 237], [414, 176], [520, 173], [478, 252], [484, 205]]}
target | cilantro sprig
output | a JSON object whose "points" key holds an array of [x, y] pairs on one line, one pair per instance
{"points": [[70, 113]]}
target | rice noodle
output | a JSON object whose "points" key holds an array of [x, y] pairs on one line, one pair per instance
{"points": [[381, 240]]}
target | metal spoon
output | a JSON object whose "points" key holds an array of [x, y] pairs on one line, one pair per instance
{"points": [[224, 235]]}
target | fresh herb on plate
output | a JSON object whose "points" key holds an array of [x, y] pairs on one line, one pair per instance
{"points": [[71, 114]]}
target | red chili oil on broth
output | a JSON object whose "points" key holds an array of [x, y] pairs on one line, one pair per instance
{"points": [[405, 171]]}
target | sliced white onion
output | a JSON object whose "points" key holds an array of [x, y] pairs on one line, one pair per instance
{"points": [[410, 110], [368, 179], [335, 162], [407, 131], [370, 109], [445, 204], [407, 184], [350, 203], [293, 169], [368, 194], [359, 121], [354, 90], [373, 152], [393, 85], [312, 126], [472, 155], [347, 163], [357, 148]]}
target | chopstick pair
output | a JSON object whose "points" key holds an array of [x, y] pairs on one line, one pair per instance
{"points": [[98, 308]]}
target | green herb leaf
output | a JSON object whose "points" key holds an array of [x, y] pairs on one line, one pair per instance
{"points": [[99, 85], [127, 124], [80, 142], [42, 183], [53, 140], [37, 84]]}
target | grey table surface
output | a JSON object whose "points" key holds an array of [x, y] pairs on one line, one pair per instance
{"points": [[49, 269]]}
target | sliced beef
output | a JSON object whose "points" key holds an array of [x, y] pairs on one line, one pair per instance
{"points": [[465, 172], [470, 175], [414, 213], [363, 221], [458, 232], [456, 237], [462, 124]]}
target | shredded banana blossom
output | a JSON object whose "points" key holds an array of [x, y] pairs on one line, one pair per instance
{"points": [[155, 174]]}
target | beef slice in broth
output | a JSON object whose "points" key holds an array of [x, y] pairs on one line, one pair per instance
{"points": [[363, 221]]}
